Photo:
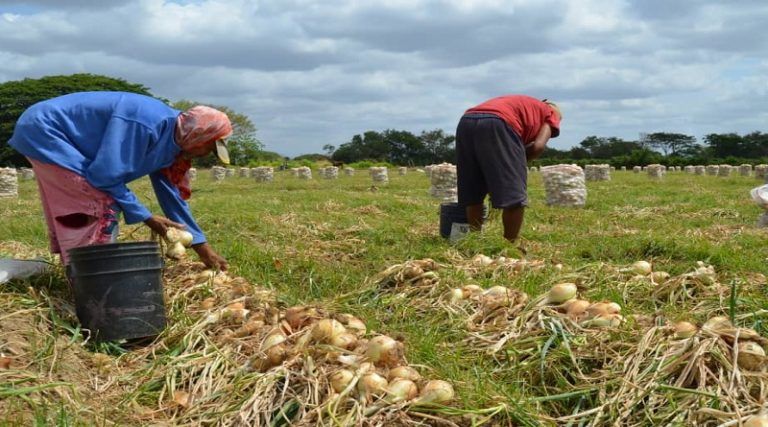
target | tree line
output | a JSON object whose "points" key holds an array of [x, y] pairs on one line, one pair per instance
{"points": [[395, 147]]}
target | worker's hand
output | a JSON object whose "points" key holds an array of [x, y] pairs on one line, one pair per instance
{"points": [[210, 258], [160, 224]]}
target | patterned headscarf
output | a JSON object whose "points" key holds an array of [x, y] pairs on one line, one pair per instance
{"points": [[197, 126]]}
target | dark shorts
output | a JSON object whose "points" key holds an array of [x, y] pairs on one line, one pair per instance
{"points": [[490, 160]]}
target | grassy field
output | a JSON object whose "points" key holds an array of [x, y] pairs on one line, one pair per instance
{"points": [[322, 242]]}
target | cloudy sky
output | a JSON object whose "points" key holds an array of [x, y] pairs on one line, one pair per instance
{"points": [[316, 72]]}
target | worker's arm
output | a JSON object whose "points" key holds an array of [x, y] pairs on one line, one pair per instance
{"points": [[534, 150]]}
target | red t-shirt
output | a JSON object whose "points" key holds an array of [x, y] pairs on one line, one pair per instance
{"points": [[523, 113]]}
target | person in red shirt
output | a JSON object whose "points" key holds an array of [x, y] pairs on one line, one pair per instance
{"points": [[494, 142]]}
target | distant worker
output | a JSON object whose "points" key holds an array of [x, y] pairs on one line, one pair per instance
{"points": [[494, 142], [86, 147]]}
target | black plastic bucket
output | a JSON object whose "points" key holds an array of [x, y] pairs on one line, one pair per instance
{"points": [[118, 289], [453, 213]]}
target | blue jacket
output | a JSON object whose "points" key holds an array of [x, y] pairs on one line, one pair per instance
{"points": [[111, 139]]}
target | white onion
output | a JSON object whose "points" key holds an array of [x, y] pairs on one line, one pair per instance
{"points": [[274, 338], [173, 235], [659, 276], [642, 267], [356, 325], [186, 238], [299, 316], [576, 308], [405, 372], [717, 323], [436, 391], [383, 350], [603, 308], [326, 329], [455, 296], [561, 293], [756, 421], [340, 380], [481, 260], [402, 389], [345, 340], [175, 251], [604, 321], [685, 329], [751, 356], [372, 384]]}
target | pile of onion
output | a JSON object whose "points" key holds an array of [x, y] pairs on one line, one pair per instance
{"points": [[178, 241]]}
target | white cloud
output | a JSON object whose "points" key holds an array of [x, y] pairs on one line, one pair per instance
{"points": [[312, 72]]}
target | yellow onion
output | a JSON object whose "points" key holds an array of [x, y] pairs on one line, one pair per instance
{"points": [[751, 356], [372, 384], [274, 338], [5, 362], [340, 380], [181, 398], [561, 293], [495, 297], [641, 267], [717, 323], [383, 351], [455, 296], [175, 251], [277, 354], [471, 291], [354, 325], [205, 275], [345, 340], [756, 421], [684, 330], [401, 389], [412, 271], [659, 276], [404, 372], [249, 328], [603, 308], [299, 316], [436, 391], [576, 308], [208, 303], [326, 329], [173, 235]]}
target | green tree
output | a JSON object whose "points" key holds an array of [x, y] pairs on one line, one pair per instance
{"points": [[16, 96], [243, 146], [671, 144]]}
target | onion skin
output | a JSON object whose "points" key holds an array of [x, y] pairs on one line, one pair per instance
{"points": [[642, 267], [717, 323], [751, 356], [401, 389], [684, 330], [340, 380], [326, 329], [346, 341], [372, 384], [383, 351], [561, 293], [404, 372], [436, 391]]}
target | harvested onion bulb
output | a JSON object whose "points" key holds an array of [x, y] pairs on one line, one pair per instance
{"points": [[684, 330], [327, 329], [372, 384], [340, 380], [641, 267], [175, 235], [436, 391], [175, 251], [383, 351], [561, 293], [405, 372], [756, 421], [401, 389], [751, 356]]}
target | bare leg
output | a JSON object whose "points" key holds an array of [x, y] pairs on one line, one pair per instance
{"points": [[513, 220], [475, 216]]}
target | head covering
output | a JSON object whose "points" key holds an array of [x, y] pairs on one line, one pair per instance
{"points": [[203, 125], [197, 126]]}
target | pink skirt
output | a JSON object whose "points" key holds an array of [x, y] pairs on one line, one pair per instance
{"points": [[77, 214]]}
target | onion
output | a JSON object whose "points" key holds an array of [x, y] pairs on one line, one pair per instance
{"points": [[5, 362], [208, 303], [436, 391], [181, 398], [717, 323], [383, 350], [756, 421], [175, 251], [354, 324], [495, 297], [299, 316], [603, 308], [604, 321], [404, 372], [345, 341], [576, 308], [372, 384], [402, 389], [455, 296], [481, 260], [751, 356], [561, 293], [248, 328], [205, 275], [173, 235], [471, 291], [412, 271], [340, 380], [685, 330], [277, 354], [326, 329], [186, 238], [274, 338], [641, 267], [659, 276]]}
